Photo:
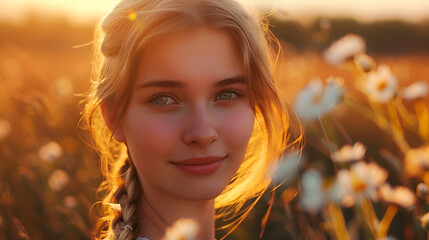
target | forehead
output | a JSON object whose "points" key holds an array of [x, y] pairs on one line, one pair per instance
{"points": [[197, 53]]}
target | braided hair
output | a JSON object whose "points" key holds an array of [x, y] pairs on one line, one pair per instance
{"points": [[125, 225]]}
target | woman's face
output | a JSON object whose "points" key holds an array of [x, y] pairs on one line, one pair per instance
{"points": [[189, 120]]}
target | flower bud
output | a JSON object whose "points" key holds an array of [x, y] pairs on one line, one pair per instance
{"points": [[422, 190]]}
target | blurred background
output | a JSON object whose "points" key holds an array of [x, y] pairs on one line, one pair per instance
{"points": [[48, 171]]}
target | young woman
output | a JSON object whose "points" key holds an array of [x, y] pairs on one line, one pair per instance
{"points": [[184, 113]]}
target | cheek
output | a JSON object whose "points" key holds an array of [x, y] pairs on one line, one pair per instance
{"points": [[237, 128], [150, 136]]}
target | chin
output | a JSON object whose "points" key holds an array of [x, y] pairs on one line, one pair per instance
{"points": [[201, 192], [203, 196]]}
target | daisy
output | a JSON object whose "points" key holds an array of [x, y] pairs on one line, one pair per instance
{"points": [[367, 177], [361, 181], [344, 48], [50, 151], [417, 161], [182, 229], [58, 180], [401, 196], [342, 191], [315, 100], [381, 85], [313, 197], [349, 153], [288, 166], [415, 91]]}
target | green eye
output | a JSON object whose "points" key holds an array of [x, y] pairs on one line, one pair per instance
{"points": [[227, 95], [163, 100]]}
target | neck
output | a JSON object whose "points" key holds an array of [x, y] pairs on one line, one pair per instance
{"points": [[158, 211]]}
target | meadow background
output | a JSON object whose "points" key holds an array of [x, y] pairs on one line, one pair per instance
{"points": [[49, 172]]}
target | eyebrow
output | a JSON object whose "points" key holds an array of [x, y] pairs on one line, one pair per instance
{"points": [[230, 81], [176, 84]]}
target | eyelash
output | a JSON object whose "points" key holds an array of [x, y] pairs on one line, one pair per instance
{"points": [[163, 94], [234, 91]]}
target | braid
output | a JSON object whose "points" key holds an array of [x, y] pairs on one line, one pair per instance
{"points": [[127, 195]]}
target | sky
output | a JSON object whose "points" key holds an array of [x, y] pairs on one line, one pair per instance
{"points": [[82, 11]]}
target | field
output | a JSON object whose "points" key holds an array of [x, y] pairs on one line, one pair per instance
{"points": [[49, 171]]}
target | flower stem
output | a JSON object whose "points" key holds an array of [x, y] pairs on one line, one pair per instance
{"points": [[422, 119], [325, 134], [369, 217], [397, 132], [338, 222], [342, 131], [383, 227]]}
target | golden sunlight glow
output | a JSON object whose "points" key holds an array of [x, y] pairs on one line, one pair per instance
{"points": [[132, 16], [82, 11]]}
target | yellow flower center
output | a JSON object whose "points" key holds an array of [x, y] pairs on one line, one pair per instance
{"points": [[381, 85], [357, 184], [317, 98]]}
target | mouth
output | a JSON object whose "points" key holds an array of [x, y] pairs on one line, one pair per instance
{"points": [[200, 165]]}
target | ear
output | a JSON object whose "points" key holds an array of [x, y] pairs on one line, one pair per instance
{"points": [[111, 123]]}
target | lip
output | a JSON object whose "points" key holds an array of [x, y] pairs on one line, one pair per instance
{"points": [[200, 165]]}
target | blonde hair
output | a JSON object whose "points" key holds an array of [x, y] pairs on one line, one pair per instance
{"points": [[120, 38]]}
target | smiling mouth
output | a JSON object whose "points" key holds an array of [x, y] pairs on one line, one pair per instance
{"points": [[200, 165]]}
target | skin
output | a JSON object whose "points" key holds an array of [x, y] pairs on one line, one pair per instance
{"points": [[189, 100]]}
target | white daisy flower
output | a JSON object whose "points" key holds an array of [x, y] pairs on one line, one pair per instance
{"points": [[415, 91], [342, 189], [349, 153], [344, 48], [417, 161], [381, 86], [50, 151], [182, 229], [313, 197], [5, 128], [315, 100], [401, 196], [288, 166], [361, 181], [58, 180], [370, 175]]}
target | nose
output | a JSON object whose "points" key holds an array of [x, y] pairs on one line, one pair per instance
{"points": [[200, 127]]}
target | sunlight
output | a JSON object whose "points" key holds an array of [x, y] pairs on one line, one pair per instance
{"points": [[82, 11]]}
